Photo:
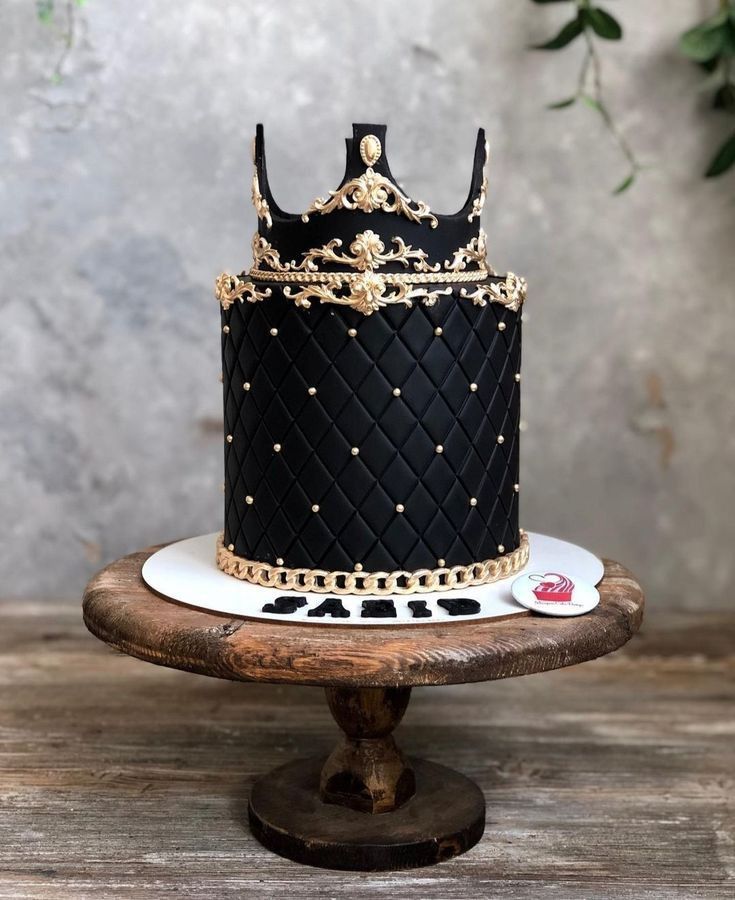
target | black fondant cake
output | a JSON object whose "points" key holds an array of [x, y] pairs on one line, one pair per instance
{"points": [[371, 369]]}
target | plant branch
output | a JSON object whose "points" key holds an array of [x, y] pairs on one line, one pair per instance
{"points": [[593, 57], [68, 38]]}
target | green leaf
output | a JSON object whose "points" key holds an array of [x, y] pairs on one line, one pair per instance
{"points": [[728, 40], [591, 102], [562, 104], [603, 24], [702, 43], [45, 11], [723, 159], [568, 33], [719, 18], [625, 184]]}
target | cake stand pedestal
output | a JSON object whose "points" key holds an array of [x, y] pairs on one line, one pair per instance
{"points": [[366, 807]]}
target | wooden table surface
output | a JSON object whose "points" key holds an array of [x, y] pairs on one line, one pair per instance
{"points": [[614, 778]]}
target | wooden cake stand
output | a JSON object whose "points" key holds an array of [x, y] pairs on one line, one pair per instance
{"points": [[366, 807]]}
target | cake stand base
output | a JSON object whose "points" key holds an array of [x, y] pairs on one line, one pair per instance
{"points": [[445, 817], [366, 807]]}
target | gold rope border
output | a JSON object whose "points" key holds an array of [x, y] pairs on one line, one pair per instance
{"points": [[380, 584], [445, 277]]}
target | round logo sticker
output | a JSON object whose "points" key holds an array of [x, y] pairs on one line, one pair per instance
{"points": [[555, 594]]}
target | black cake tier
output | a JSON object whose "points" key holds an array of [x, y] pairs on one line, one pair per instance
{"points": [[371, 421]]}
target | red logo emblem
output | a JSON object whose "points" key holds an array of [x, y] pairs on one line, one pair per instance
{"points": [[553, 587]]}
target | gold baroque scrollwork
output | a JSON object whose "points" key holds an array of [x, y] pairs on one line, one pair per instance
{"points": [[264, 252], [479, 202], [368, 252], [510, 293], [475, 251], [371, 191], [229, 288], [367, 293], [260, 203]]}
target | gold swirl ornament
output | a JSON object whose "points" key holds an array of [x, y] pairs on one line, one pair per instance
{"points": [[229, 288], [369, 192]]}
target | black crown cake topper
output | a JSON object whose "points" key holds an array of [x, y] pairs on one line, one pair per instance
{"points": [[371, 369], [332, 253]]}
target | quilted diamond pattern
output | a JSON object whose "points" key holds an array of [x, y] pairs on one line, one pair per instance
{"points": [[396, 436]]}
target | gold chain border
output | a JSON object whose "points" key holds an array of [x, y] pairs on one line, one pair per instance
{"points": [[376, 584]]}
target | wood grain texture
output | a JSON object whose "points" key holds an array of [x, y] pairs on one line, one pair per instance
{"points": [[445, 818], [613, 779], [121, 610], [366, 771]]}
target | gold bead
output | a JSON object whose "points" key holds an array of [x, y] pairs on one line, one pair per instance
{"points": [[399, 507], [516, 487], [438, 331], [501, 326], [358, 567], [473, 501], [279, 561], [501, 548], [311, 391], [246, 386], [396, 392], [501, 439], [439, 448], [229, 438], [352, 332], [441, 563], [355, 451], [277, 448], [473, 387], [518, 376], [230, 547], [226, 329], [274, 332], [249, 500], [315, 507]]}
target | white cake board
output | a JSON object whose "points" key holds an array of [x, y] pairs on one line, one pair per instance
{"points": [[187, 572]]}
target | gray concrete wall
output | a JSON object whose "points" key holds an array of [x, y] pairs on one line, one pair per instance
{"points": [[124, 192]]}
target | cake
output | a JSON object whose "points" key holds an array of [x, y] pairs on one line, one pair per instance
{"points": [[371, 372]]}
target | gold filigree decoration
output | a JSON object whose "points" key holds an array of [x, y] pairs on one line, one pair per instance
{"points": [[367, 293], [368, 253], [475, 251], [369, 192], [511, 292], [370, 149], [260, 203], [229, 288], [420, 581], [264, 252], [479, 202]]}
